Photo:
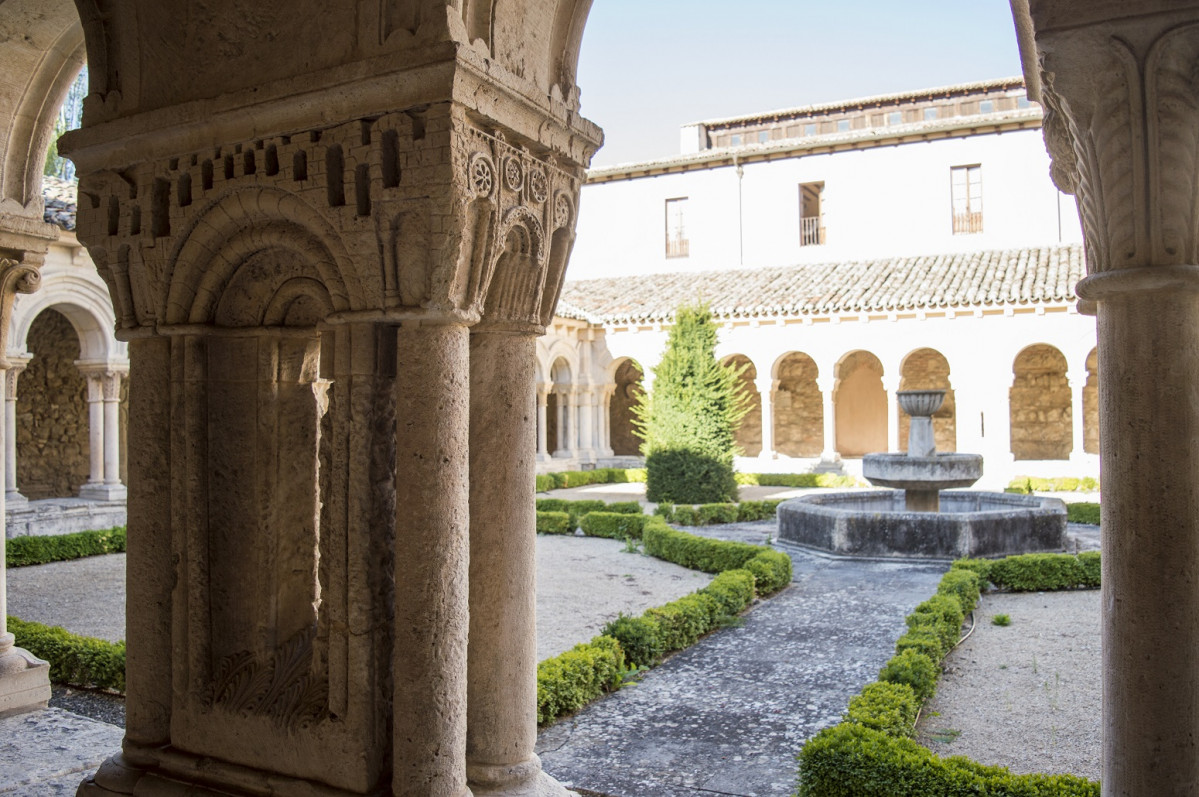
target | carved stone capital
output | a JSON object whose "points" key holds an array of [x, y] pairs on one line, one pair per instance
{"points": [[1121, 123], [16, 276]]}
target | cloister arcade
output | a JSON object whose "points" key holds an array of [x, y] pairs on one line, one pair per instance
{"points": [[349, 238]]}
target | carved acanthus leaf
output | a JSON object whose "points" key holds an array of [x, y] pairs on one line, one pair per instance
{"points": [[280, 686]]}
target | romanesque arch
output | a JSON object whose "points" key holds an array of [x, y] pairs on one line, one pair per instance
{"points": [[1039, 401], [798, 407], [1090, 405], [748, 436], [927, 369], [861, 405], [628, 377], [559, 418]]}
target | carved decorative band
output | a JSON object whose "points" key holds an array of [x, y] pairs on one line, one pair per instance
{"points": [[1148, 279]]}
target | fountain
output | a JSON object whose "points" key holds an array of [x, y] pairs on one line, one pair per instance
{"points": [[917, 519]]}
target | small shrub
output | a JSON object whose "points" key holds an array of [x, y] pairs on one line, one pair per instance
{"points": [[74, 659], [914, 669], [887, 707], [1083, 512], [640, 638], [771, 570], [567, 682], [1061, 484], [687, 476], [685, 516], [732, 589], [1039, 572], [545, 482], [711, 514], [1001, 620], [685, 620], [612, 525], [624, 507], [553, 523], [943, 615], [1090, 562], [963, 584], [923, 640], [982, 567], [22, 551]]}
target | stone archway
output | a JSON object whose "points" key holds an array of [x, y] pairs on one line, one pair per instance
{"points": [[628, 394], [748, 436], [52, 412], [1039, 402], [798, 407], [559, 423], [927, 369], [861, 405], [1090, 405]]}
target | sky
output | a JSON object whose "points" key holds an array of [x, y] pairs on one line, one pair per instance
{"points": [[649, 66]]}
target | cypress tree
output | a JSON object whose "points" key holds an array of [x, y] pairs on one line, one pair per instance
{"points": [[688, 421]]}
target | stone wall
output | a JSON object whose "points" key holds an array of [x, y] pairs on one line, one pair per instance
{"points": [[620, 411], [798, 408], [861, 413], [749, 434], [52, 418], [1040, 405], [927, 369]]}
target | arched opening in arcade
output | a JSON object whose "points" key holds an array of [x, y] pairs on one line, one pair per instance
{"points": [[1039, 402], [861, 405], [927, 369], [627, 395], [748, 435], [798, 407]]}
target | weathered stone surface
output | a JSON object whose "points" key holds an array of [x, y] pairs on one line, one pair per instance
{"points": [[55, 749], [1040, 404]]}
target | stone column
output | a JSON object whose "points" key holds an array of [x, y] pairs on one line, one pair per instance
{"points": [[543, 453], [432, 554], [1078, 383], [12, 493], [94, 486], [891, 387], [561, 444], [586, 446], [24, 678], [1120, 122], [502, 654], [828, 390], [606, 421], [112, 436], [766, 388]]}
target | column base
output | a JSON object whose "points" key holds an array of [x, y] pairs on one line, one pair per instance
{"points": [[101, 491], [517, 780], [24, 681], [829, 463], [14, 497]]}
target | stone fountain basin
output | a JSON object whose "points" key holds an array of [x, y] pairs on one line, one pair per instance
{"points": [[938, 472], [875, 523]]}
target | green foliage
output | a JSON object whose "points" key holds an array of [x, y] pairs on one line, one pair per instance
{"points": [[923, 640], [639, 637], [571, 680], [581, 478], [553, 523], [685, 620], [76, 660], [732, 589], [613, 525], [914, 669], [771, 571], [689, 419], [696, 553], [1083, 512], [963, 584], [1001, 620], [711, 514], [1062, 484], [1043, 572], [980, 567], [757, 510], [887, 707], [853, 760], [576, 509], [21, 551], [798, 480], [625, 507]]}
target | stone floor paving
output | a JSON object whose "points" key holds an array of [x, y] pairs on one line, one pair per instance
{"points": [[728, 715]]}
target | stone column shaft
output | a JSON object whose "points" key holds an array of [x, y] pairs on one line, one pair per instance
{"points": [[1078, 383], [112, 429], [766, 393], [432, 549], [502, 652], [891, 386], [828, 389], [10, 434], [586, 422], [542, 428], [560, 444], [95, 428]]}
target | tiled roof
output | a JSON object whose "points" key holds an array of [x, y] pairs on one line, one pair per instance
{"points": [[61, 197], [965, 280]]}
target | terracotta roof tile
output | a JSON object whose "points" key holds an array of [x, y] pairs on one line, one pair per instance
{"points": [[971, 279]]}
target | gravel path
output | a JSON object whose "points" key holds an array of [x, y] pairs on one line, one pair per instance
{"points": [[86, 596], [1025, 696]]}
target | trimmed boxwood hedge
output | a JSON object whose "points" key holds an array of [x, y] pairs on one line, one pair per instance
{"points": [[797, 480], [74, 659], [1083, 512], [554, 523], [710, 514], [870, 753], [612, 525], [571, 680], [580, 478], [1061, 484], [22, 551]]}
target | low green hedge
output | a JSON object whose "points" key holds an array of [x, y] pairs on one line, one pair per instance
{"points": [[855, 760], [571, 680], [576, 509], [1063, 484], [21, 551], [1083, 512], [1038, 572], [554, 523], [581, 478], [797, 480], [74, 659], [870, 753], [613, 525], [771, 569], [711, 514]]}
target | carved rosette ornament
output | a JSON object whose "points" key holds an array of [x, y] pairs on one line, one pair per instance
{"points": [[482, 175]]}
